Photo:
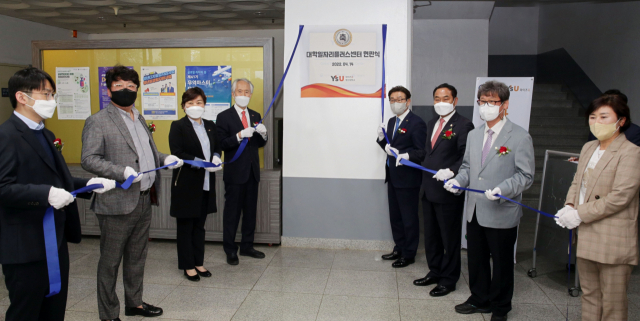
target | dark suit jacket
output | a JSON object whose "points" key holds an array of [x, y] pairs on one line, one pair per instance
{"points": [[411, 142], [26, 176], [187, 181], [446, 153], [632, 133], [229, 124]]}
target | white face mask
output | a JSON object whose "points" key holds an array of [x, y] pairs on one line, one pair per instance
{"points": [[242, 101], [398, 108], [443, 108], [489, 113], [194, 112], [44, 108]]}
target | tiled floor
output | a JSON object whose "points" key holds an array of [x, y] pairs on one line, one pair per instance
{"points": [[312, 284]]}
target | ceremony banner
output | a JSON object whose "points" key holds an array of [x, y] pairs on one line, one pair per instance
{"points": [[341, 61], [215, 81], [159, 97], [102, 90], [74, 95], [519, 112]]}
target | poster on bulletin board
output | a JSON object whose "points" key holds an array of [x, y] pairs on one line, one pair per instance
{"points": [[74, 97], [215, 81], [104, 96], [159, 97]]}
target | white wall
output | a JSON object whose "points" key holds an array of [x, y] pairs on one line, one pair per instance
{"points": [[16, 36], [321, 139], [276, 34], [454, 51], [514, 31], [604, 39]]}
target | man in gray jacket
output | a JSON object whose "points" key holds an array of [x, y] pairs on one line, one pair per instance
{"points": [[116, 143], [498, 158]]}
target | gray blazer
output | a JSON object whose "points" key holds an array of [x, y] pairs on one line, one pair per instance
{"points": [[107, 148], [512, 173]]}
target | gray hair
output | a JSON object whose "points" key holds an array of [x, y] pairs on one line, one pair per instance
{"points": [[494, 87], [233, 85]]}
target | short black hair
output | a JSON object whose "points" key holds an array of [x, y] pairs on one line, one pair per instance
{"points": [[406, 91], [193, 93], [120, 72], [454, 91], [617, 93], [26, 80], [616, 103]]}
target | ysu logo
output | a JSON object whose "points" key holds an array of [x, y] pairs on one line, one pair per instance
{"points": [[337, 78]]}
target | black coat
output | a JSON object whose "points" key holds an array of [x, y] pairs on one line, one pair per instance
{"points": [[229, 124], [446, 153], [187, 181], [411, 142], [26, 176]]}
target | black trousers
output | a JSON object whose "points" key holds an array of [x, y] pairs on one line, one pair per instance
{"points": [[403, 214], [240, 200], [442, 237], [191, 238], [28, 284], [484, 244]]}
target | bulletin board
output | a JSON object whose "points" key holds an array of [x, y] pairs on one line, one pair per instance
{"points": [[250, 58]]}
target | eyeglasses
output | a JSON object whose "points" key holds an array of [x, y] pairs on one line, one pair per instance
{"points": [[47, 94], [131, 87], [397, 101], [490, 103]]}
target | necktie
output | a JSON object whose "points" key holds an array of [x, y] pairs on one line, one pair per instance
{"points": [[395, 130], [245, 123], [435, 137], [487, 146]]}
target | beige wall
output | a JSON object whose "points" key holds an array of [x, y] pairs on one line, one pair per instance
{"points": [[6, 71]]}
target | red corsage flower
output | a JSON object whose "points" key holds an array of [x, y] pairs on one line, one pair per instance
{"points": [[503, 150], [58, 144], [448, 133], [152, 127], [402, 130]]}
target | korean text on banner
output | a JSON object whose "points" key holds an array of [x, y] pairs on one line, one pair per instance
{"points": [[74, 95], [159, 96], [215, 81]]}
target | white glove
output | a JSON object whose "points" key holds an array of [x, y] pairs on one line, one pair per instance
{"points": [[59, 198], [490, 194], [443, 174], [170, 159], [387, 149], [128, 171], [570, 219], [216, 160], [108, 184], [380, 133], [448, 185], [401, 156], [262, 130], [563, 211], [247, 132]]}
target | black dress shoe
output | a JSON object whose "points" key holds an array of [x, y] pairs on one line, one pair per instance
{"points": [[194, 278], [427, 280], [392, 256], [253, 253], [205, 274], [147, 310], [468, 308], [440, 290], [498, 318], [232, 259], [402, 262]]}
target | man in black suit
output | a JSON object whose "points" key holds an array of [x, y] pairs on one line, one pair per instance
{"points": [[241, 177], [33, 177], [446, 143], [407, 139]]}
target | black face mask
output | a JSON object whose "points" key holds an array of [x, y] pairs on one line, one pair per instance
{"points": [[124, 97]]}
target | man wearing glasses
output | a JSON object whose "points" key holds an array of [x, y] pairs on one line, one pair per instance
{"points": [[498, 159], [116, 143], [33, 177], [407, 134]]}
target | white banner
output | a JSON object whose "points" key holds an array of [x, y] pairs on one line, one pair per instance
{"points": [[519, 112], [341, 61], [74, 94], [159, 93]]}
